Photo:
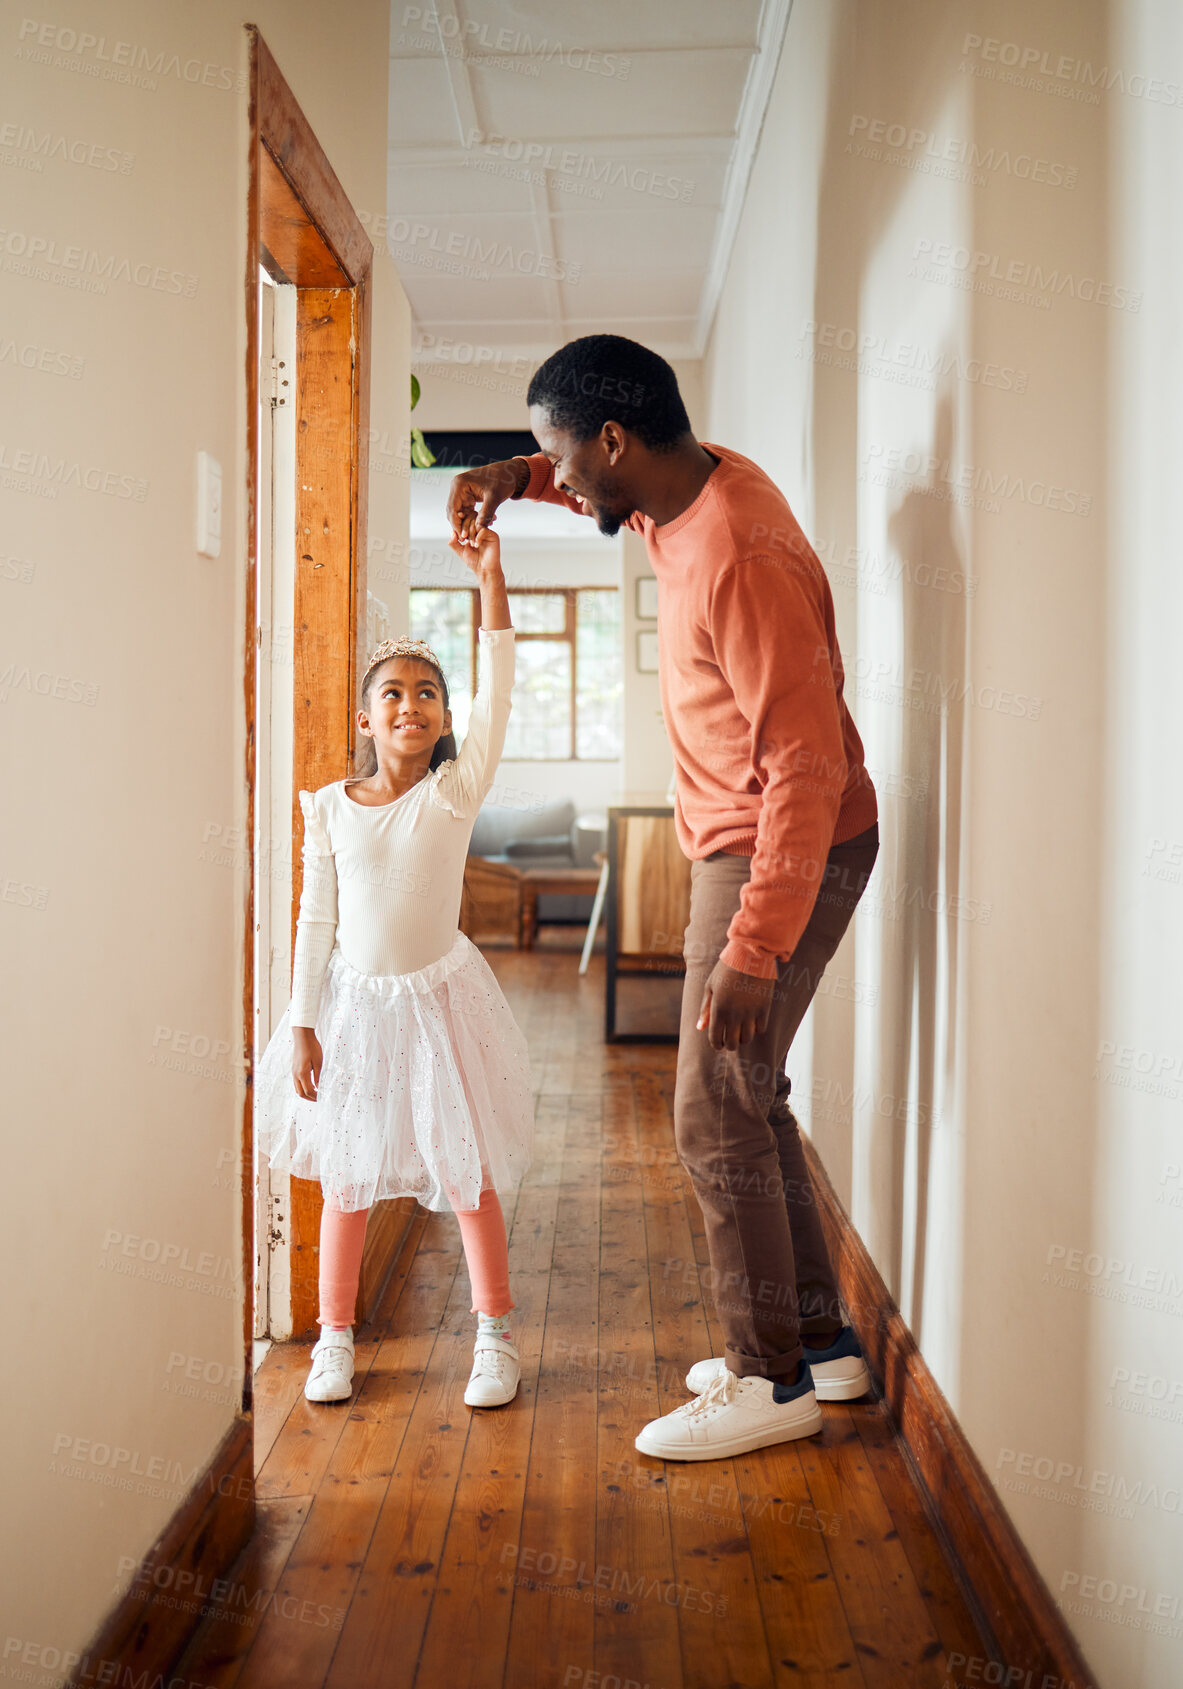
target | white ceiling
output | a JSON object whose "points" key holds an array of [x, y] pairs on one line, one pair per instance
{"points": [[636, 119]]}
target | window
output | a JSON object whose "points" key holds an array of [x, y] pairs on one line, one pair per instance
{"points": [[444, 619], [568, 685]]}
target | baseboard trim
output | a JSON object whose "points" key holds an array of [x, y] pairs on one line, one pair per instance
{"points": [[150, 1625], [1014, 1608]]}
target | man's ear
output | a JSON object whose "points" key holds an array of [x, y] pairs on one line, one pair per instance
{"points": [[615, 441]]}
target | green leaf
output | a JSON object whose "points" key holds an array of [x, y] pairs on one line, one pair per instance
{"points": [[422, 457], [414, 391]]}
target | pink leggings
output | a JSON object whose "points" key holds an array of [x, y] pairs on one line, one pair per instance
{"points": [[482, 1230]]}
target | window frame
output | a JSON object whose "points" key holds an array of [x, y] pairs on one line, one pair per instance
{"points": [[569, 636]]}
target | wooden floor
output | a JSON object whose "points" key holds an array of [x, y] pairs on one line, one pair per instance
{"points": [[405, 1539]]}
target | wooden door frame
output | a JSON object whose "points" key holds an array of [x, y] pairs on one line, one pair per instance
{"points": [[303, 230]]}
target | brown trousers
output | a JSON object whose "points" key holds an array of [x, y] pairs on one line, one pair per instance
{"points": [[736, 1135]]}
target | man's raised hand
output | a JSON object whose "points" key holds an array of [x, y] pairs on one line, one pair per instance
{"points": [[476, 494]]}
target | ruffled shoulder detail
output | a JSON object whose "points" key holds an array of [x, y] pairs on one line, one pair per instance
{"points": [[316, 837], [442, 791]]}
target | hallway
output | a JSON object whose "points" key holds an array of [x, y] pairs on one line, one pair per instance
{"points": [[408, 1540], [912, 264]]}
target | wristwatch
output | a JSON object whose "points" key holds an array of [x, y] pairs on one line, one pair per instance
{"points": [[523, 477]]}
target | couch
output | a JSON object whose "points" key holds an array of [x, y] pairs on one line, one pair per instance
{"points": [[542, 835]]}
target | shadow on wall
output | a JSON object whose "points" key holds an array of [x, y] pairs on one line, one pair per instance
{"points": [[899, 1099], [918, 1001]]}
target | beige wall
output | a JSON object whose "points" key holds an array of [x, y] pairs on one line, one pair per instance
{"points": [[121, 662], [976, 1077], [648, 761]]}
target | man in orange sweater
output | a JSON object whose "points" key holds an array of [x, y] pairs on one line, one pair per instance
{"points": [[776, 811]]}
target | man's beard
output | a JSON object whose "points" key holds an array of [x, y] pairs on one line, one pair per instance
{"points": [[609, 519], [609, 522]]}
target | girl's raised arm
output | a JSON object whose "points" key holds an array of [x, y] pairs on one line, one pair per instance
{"points": [[464, 784]]}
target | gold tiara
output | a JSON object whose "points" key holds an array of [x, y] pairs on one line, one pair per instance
{"points": [[404, 648]]}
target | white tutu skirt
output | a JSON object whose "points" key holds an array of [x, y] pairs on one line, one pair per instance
{"points": [[424, 1090]]}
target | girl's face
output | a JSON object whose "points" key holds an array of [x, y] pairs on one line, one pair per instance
{"points": [[405, 715]]}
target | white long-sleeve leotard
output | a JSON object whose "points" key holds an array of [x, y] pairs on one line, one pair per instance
{"points": [[384, 883]]}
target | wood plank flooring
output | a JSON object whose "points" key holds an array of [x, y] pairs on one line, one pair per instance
{"points": [[405, 1540]]}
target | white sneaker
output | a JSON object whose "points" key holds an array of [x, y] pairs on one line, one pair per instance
{"points": [[331, 1378], [732, 1416], [495, 1374], [839, 1372]]}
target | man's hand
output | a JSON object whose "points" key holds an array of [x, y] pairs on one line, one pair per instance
{"points": [[306, 1062], [735, 1007], [487, 487]]}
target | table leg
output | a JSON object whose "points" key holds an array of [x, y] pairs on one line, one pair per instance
{"points": [[529, 916], [594, 922]]}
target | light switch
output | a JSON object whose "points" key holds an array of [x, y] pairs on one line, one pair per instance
{"points": [[209, 506]]}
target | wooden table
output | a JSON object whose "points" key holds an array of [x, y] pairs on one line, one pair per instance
{"points": [[547, 882], [491, 903], [648, 906]]}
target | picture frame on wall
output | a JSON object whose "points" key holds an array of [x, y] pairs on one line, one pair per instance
{"points": [[646, 598], [647, 650]]}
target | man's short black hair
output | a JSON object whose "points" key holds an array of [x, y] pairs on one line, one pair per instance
{"points": [[606, 378]]}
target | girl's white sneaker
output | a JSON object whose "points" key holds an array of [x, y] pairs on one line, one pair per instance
{"points": [[496, 1372], [331, 1378]]}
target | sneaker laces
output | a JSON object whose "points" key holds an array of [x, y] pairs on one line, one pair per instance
{"points": [[324, 1351], [720, 1392], [489, 1362]]}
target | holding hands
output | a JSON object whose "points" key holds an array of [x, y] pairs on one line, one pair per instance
{"points": [[482, 552], [475, 495]]}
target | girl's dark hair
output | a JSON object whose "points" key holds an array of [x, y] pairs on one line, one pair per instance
{"points": [[366, 759], [606, 378]]}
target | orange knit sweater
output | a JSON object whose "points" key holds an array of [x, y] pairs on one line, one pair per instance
{"points": [[768, 761]]}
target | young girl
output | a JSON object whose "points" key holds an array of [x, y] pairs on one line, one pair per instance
{"points": [[411, 1076]]}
